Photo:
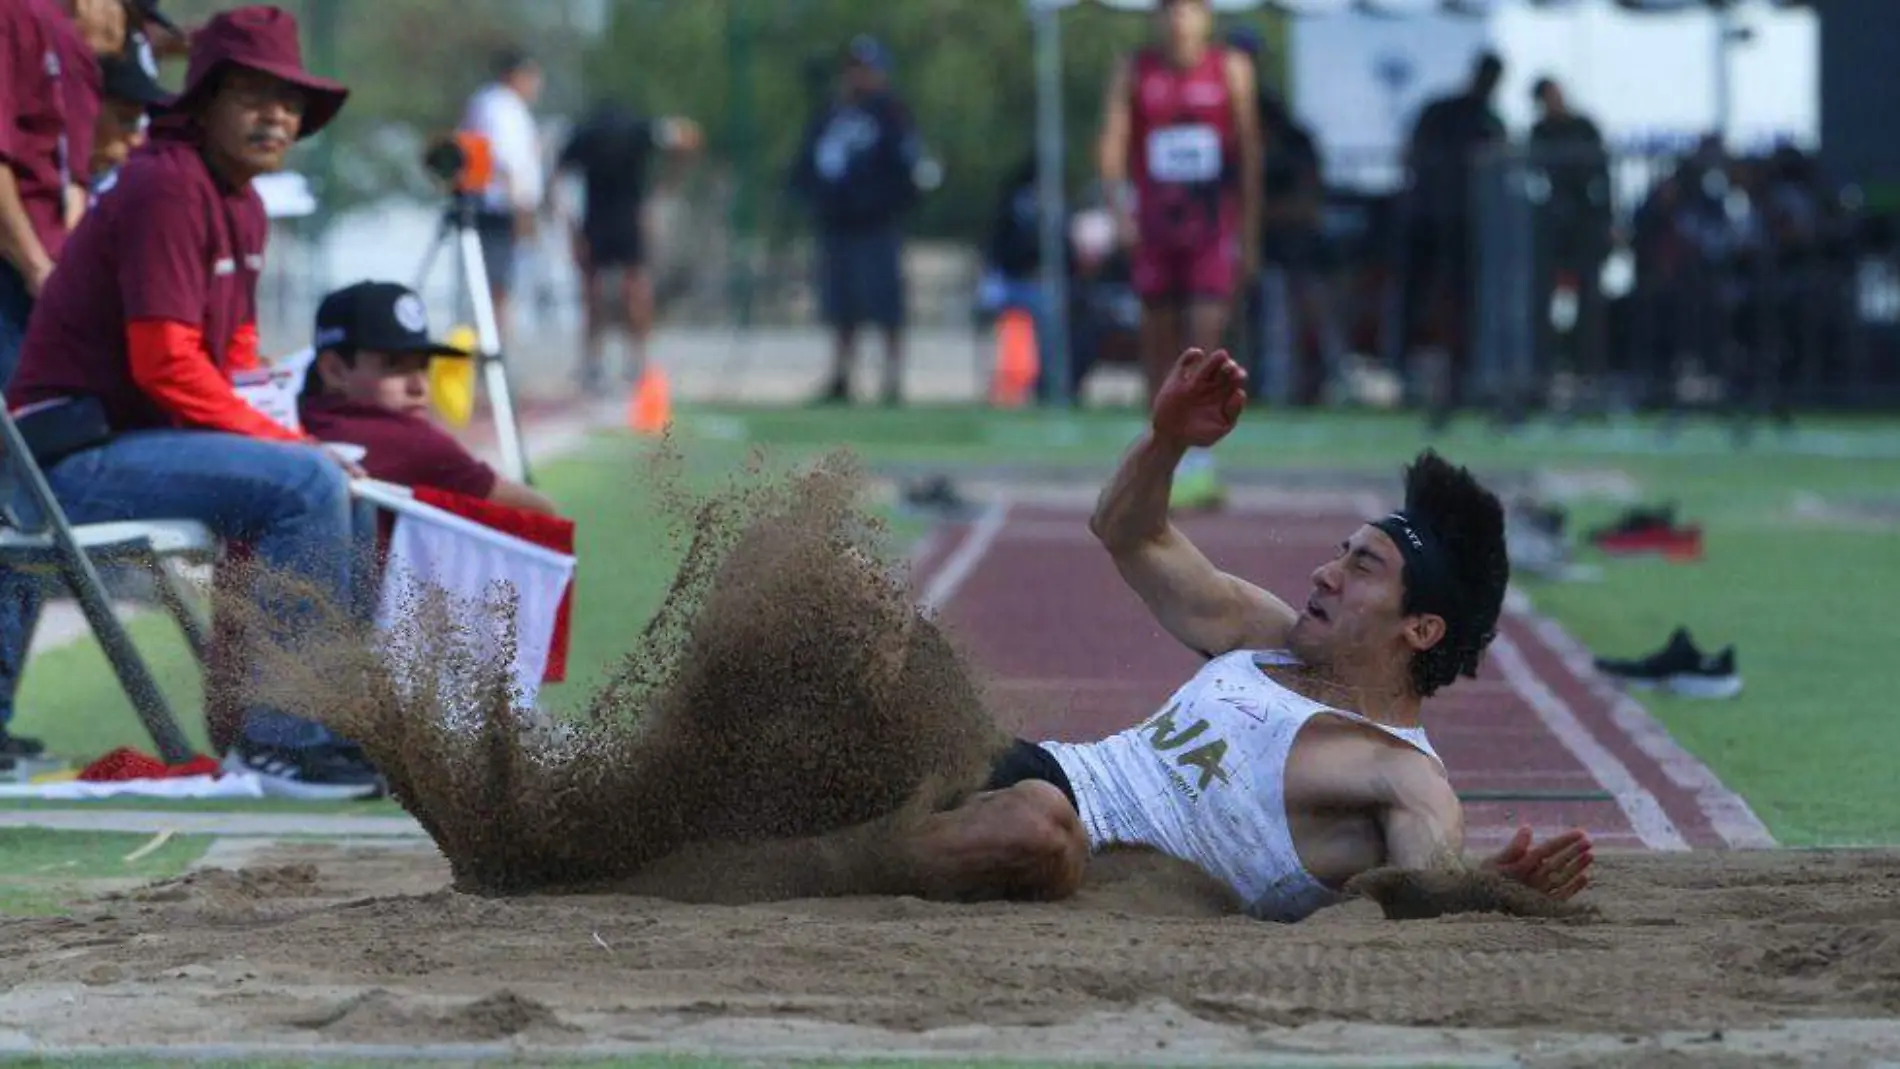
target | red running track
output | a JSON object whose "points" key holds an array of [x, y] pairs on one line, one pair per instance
{"points": [[1035, 599]]}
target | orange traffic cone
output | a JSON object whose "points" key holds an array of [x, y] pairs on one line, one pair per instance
{"points": [[650, 409], [1016, 363]]}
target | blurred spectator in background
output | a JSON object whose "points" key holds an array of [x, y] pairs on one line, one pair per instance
{"points": [[613, 148], [1573, 222], [49, 99], [1441, 156], [859, 169], [503, 112], [1291, 297]]}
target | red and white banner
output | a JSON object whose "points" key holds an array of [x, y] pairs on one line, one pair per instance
{"points": [[500, 562]]}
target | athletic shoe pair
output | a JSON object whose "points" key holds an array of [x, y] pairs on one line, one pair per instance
{"points": [[1680, 668], [1650, 531]]}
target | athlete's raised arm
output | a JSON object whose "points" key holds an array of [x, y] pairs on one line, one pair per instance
{"points": [[1205, 608]]}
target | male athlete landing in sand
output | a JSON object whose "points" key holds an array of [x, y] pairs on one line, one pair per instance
{"points": [[1295, 760]]}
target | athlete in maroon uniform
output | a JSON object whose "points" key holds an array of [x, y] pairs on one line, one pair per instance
{"points": [[1181, 140]]}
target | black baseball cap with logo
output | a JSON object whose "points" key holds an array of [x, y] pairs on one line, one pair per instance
{"points": [[384, 317], [132, 75]]}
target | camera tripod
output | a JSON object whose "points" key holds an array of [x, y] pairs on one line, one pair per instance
{"points": [[459, 228]]}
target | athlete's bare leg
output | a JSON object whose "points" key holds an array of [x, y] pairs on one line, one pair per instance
{"points": [[1206, 327], [1022, 842], [636, 294], [594, 327], [1162, 340]]}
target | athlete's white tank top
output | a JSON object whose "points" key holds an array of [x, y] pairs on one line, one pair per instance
{"points": [[1204, 780]]}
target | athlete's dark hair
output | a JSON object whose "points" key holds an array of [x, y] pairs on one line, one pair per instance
{"points": [[1467, 523]]}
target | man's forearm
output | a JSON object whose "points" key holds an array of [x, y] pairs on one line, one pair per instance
{"points": [[18, 243], [1133, 507]]}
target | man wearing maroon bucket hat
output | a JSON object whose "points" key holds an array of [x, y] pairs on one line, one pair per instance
{"points": [[124, 387]]}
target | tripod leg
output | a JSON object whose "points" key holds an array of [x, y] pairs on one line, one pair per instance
{"points": [[428, 258], [494, 368]]}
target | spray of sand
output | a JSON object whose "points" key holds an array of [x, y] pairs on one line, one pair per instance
{"points": [[784, 717], [785, 688]]}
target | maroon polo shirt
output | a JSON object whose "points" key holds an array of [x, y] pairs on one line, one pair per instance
{"points": [[402, 449], [83, 90], [167, 242], [37, 41]]}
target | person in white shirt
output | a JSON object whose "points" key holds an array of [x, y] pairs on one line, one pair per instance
{"points": [[1295, 760], [502, 112]]}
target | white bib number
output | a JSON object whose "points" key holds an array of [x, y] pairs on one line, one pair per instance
{"points": [[1184, 154]]}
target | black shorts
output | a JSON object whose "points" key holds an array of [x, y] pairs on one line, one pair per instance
{"points": [[615, 248], [497, 233], [861, 277], [1025, 761]]}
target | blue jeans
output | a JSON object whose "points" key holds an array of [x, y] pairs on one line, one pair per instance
{"points": [[291, 503], [15, 306]]}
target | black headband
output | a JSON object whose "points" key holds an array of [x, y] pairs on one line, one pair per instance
{"points": [[1426, 570]]}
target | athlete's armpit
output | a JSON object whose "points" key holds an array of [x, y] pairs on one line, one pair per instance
{"points": [[1423, 822]]}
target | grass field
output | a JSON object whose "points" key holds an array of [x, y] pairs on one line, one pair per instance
{"points": [[45, 869], [1807, 743]]}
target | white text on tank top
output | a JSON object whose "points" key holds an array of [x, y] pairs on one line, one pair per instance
{"points": [[1184, 151], [1204, 780]]}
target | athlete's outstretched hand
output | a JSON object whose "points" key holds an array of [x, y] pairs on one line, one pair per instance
{"points": [[1558, 867], [1201, 399]]}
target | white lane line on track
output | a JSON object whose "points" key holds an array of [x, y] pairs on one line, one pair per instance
{"points": [[1728, 814], [1645, 813], [957, 568]]}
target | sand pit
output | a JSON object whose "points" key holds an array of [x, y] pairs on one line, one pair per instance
{"points": [[331, 946]]}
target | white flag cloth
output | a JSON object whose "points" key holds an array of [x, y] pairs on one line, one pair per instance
{"points": [[481, 571]]}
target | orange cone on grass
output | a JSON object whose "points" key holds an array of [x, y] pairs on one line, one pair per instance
{"points": [[650, 409], [1016, 370]]}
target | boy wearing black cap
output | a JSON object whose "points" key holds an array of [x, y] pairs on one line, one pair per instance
{"points": [[369, 387]]}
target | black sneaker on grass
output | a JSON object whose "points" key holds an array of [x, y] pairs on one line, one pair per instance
{"points": [[1679, 668], [316, 773]]}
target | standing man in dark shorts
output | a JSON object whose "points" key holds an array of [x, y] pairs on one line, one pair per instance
{"points": [[857, 170], [1443, 156], [1180, 155], [613, 150]]}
